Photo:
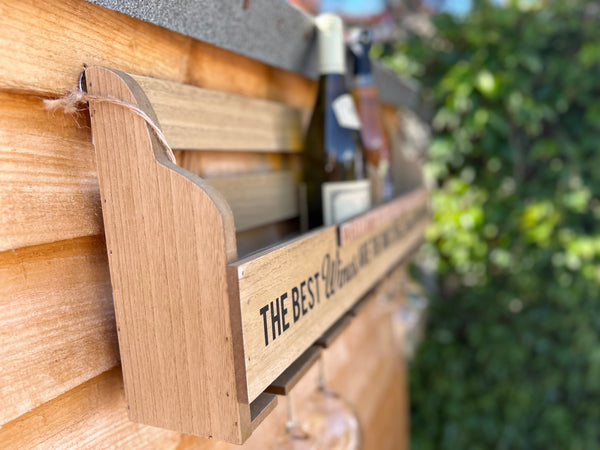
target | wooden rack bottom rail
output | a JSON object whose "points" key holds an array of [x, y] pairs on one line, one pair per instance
{"points": [[202, 334]]}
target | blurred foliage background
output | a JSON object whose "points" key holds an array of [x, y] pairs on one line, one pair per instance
{"points": [[512, 355]]}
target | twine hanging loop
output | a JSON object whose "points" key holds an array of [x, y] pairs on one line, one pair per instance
{"points": [[76, 98]]}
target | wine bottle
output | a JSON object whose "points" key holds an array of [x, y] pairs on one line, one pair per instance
{"points": [[374, 139], [336, 188]]}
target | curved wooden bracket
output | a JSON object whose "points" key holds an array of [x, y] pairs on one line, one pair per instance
{"points": [[169, 238]]}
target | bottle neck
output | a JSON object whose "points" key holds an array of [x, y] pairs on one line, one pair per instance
{"points": [[362, 65], [332, 85], [332, 51], [361, 45]]}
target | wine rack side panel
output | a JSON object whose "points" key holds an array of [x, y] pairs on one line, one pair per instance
{"points": [[169, 236]]}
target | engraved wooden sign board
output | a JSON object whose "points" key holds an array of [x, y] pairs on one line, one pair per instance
{"points": [[202, 334], [290, 296]]}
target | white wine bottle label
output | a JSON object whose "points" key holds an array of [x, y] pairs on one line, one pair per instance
{"points": [[345, 199], [345, 112]]}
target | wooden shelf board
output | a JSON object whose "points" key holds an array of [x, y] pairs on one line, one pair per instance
{"points": [[334, 331], [261, 407], [290, 377]]}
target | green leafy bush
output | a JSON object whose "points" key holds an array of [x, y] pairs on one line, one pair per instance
{"points": [[512, 356]]}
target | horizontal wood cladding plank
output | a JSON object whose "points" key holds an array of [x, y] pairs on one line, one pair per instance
{"points": [[270, 31], [292, 294], [202, 119], [57, 321], [361, 366], [49, 185], [390, 420], [43, 46], [248, 77], [48, 182], [93, 415], [259, 199]]}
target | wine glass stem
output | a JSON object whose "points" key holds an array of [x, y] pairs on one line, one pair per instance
{"points": [[291, 420], [322, 379]]}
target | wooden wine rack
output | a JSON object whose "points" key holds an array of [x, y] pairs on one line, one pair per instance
{"points": [[203, 334]]}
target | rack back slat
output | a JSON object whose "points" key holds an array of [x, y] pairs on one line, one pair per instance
{"points": [[259, 199], [193, 118]]}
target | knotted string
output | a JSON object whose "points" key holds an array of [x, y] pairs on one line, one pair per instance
{"points": [[76, 98]]}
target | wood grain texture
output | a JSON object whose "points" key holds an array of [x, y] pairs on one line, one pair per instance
{"points": [[49, 192], [196, 118], [49, 189], [246, 76], [171, 297], [58, 326], [60, 307], [93, 415], [48, 182], [291, 294], [44, 45], [259, 199], [31, 62]]}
